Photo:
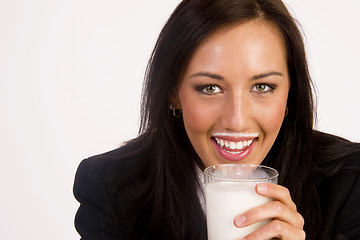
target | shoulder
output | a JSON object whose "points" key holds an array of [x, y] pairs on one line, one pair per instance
{"points": [[352, 162], [96, 184], [99, 168], [332, 154], [340, 195], [96, 178], [349, 172], [101, 173]]}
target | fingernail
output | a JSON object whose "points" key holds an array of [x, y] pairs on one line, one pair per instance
{"points": [[262, 188], [239, 220]]}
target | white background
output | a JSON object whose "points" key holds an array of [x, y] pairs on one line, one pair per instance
{"points": [[70, 79]]}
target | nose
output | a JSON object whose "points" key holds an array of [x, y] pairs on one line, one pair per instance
{"points": [[236, 116]]}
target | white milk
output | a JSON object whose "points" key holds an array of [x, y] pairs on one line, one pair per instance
{"points": [[224, 201]]}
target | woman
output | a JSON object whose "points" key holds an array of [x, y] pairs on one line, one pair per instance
{"points": [[235, 76]]}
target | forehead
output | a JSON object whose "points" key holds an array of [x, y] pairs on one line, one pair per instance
{"points": [[255, 29], [251, 43]]}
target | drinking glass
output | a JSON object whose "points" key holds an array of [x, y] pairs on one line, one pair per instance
{"points": [[230, 191]]}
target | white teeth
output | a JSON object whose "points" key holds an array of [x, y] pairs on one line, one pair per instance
{"points": [[239, 145], [234, 145]]}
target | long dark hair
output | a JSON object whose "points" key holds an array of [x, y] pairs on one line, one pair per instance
{"points": [[166, 197]]}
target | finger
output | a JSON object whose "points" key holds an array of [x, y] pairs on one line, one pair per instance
{"points": [[277, 229], [276, 192], [273, 210]]}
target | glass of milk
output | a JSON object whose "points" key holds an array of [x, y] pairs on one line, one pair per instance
{"points": [[230, 191]]}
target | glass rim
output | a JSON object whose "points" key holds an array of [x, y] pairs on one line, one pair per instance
{"points": [[265, 179]]}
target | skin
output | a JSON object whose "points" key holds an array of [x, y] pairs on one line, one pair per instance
{"points": [[237, 83], [227, 64]]}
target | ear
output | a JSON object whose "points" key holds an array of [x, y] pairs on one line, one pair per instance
{"points": [[174, 99]]}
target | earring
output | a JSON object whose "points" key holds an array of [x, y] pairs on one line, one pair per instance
{"points": [[286, 111], [175, 112]]}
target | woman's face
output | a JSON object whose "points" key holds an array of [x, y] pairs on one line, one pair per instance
{"points": [[233, 93]]}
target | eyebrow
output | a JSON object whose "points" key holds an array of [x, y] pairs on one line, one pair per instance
{"points": [[207, 74], [218, 77], [265, 75]]}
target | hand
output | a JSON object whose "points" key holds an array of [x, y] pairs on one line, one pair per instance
{"points": [[287, 223]]}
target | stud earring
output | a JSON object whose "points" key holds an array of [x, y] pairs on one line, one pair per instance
{"points": [[286, 111]]}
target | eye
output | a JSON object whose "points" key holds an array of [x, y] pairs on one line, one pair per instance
{"points": [[210, 89], [263, 88]]}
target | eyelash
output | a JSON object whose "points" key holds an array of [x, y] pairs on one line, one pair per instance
{"points": [[202, 88], [266, 85]]}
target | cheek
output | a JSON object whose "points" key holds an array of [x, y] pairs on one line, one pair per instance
{"points": [[271, 117], [198, 118]]}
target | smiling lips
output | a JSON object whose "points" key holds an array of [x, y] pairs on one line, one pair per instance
{"points": [[234, 147]]}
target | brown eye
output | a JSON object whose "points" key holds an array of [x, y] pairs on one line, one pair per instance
{"points": [[262, 88], [211, 89]]}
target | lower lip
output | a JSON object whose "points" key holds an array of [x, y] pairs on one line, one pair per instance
{"points": [[234, 157]]}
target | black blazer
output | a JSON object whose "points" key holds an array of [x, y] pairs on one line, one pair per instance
{"points": [[95, 183], [340, 201]]}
